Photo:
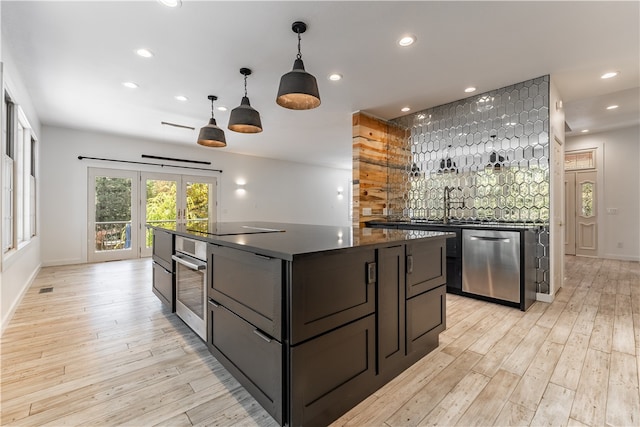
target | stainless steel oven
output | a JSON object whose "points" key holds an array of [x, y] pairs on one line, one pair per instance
{"points": [[191, 283]]}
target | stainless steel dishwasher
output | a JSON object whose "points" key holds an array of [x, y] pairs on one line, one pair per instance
{"points": [[491, 264]]}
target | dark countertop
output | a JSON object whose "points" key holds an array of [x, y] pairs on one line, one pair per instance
{"points": [[471, 224], [286, 241]]}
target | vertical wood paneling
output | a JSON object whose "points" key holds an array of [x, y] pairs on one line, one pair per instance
{"points": [[379, 163]]}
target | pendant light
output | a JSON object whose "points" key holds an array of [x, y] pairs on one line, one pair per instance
{"points": [[211, 135], [298, 89], [244, 118]]}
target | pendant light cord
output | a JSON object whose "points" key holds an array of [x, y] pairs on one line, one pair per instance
{"points": [[299, 56], [245, 85], [212, 110]]}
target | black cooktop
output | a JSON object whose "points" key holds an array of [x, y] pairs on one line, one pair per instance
{"points": [[231, 229]]}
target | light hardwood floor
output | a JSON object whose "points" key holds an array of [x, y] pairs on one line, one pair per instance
{"points": [[101, 350]]}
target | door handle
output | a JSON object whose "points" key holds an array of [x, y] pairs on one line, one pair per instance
{"points": [[190, 265], [409, 264], [490, 239], [262, 335]]}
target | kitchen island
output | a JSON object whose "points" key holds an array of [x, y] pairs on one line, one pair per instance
{"points": [[313, 319]]}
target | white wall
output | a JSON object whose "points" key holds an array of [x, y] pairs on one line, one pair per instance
{"points": [[275, 190], [19, 268], [618, 164], [556, 183]]}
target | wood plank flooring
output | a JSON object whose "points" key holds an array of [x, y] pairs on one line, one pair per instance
{"points": [[101, 350]]}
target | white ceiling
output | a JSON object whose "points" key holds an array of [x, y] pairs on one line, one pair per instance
{"points": [[73, 57]]}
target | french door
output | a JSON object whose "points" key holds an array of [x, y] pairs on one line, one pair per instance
{"points": [[122, 203], [173, 199], [113, 215]]}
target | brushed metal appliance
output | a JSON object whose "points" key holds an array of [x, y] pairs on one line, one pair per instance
{"points": [[191, 283], [491, 264]]}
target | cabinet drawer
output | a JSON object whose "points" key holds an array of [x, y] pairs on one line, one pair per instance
{"points": [[163, 286], [426, 318], [250, 285], [329, 290], [252, 357], [332, 373], [426, 266], [163, 248]]}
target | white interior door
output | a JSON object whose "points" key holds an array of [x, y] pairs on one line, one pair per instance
{"points": [[586, 214], [113, 215]]}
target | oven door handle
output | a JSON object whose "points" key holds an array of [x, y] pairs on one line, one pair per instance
{"points": [[192, 266]]}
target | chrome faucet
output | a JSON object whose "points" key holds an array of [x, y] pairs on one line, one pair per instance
{"points": [[447, 202]]}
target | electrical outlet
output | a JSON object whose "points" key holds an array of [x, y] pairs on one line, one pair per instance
{"points": [[366, 211], [620, 245]]}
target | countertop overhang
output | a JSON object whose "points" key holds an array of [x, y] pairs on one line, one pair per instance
{"points": [[287, 241]]}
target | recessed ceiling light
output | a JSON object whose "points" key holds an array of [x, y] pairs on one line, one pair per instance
{"points": [[145, 53], [612, 107], [181, 98], [405, 109], [407, 40], [584, 130], [171, 3], [609, 75], [130, 85], [221, 108], [335, 77], [470, 89]]}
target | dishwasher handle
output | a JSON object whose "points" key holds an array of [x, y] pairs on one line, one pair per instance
{"points": [[191, 265], [491, 239]]}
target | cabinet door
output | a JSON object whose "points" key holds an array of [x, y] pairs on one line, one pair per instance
{"points": [[426, 318], [252, 357], [329, 290], [391, 307], [163, 286], [332, 373], [248, 284], [426, 266], [163, 248]]}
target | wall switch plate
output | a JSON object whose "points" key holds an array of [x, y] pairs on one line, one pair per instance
{"points": [[366, 211], [612, 211], [385, 211]]}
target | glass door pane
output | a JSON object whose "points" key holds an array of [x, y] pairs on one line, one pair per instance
{"points": [[112, 225], [160, 205], [200, 197]]}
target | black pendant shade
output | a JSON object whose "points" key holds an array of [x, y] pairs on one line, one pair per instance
{"points": [[298, 89], [244, 118], [211, 135]]}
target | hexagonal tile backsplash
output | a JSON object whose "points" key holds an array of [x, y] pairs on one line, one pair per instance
{"points": [[492, 148]]}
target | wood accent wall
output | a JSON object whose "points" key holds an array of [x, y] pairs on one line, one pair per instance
{"points": [[381, 160]]}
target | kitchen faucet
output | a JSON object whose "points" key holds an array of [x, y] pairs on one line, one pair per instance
{"points": [[447, 202]]}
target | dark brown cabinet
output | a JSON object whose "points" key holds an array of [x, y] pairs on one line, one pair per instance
{"points": [[248, 284], [252, 357], [391, 310], [330, 290], [163, 281], [313, 336]]}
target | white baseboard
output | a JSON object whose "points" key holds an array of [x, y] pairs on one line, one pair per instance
{"points": [[621, 257], [546, 297], [56, 262], [9, 314]]}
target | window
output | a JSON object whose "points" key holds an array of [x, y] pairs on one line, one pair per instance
{"points": [[19, 180]]}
